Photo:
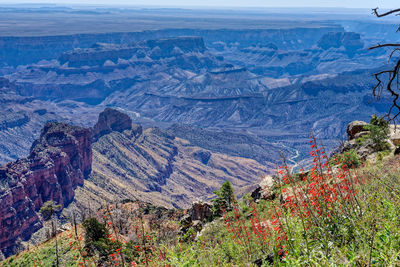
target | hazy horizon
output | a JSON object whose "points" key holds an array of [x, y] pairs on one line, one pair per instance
{"points": [[384, 4]]}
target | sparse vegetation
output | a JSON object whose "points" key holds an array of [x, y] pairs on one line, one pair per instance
{"points": [[335, 216], [48, 209]]}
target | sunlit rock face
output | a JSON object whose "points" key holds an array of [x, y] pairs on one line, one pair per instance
{"points": [[58, 163]]}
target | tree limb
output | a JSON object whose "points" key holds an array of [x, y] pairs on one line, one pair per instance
{"points": [[384, 45], [392, 78], [375, 11]]}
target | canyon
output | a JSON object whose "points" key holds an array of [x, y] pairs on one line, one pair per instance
{"points": [[266, 84], [114, 161], [169, 110]]}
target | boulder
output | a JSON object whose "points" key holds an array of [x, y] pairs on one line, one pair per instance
{"points": [[195, 218], [200, 211], [348, 145], [394, 135], [365, 152], [354, 128], [265, 189]]}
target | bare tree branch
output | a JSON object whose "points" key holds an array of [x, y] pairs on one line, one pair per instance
{"points": [[384, 45], [388, 79], [375, 11]]}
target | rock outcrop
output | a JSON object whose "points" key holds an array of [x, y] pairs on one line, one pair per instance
{"points": [[351, 41], [395, 134], [366, 150], [354, 128], [196, 217], [58, 162], [200, 211], [111, 120], [265, 189]]}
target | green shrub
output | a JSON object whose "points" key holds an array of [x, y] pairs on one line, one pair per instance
{"points": [[94, 230], [349, 158], [378, 129], [378, 133]]}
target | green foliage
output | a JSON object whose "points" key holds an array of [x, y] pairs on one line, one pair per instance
{"points": [[378, 133], [379, 121], [225, 199], [349, 158], [94, 230], [48, 209], [382, 154], [96, 239]]}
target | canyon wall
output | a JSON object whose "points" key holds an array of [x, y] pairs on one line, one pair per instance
{"points": [[58, 162]]}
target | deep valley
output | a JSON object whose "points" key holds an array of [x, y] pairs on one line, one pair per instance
{"points": [[165, 105]]}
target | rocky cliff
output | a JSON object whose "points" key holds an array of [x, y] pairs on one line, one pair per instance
{"points": [[155, 166], [111, 120], [350, 41], [58, 162]]}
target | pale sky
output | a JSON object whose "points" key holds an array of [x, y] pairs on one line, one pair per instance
{"points": [[227, 3]]}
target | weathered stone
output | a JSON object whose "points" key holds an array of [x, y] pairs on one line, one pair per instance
{"points": [[200, 211], [348, 145], [197, 226], [394, 134], [361, 134], [364, 152], [195, 217], [265, 189], [355, 127]]}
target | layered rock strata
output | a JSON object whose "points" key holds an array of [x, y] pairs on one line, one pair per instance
{"points": [[57, 164]]}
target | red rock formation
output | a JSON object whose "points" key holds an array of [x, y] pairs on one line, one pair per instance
{"points": [[58, 162]]}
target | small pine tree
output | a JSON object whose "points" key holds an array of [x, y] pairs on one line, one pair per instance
{"points": [[96, 240], [225, 199], [94, 230], [48, 209]]}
